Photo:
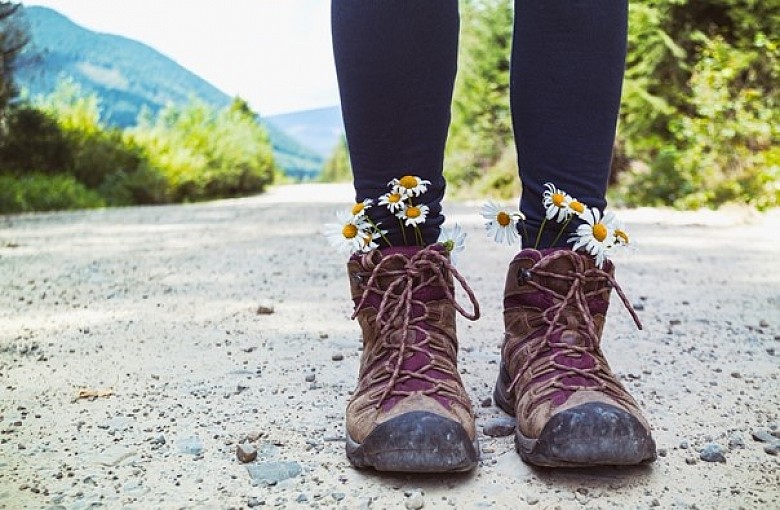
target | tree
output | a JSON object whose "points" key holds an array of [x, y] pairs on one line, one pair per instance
{"points": [[13, 38], [338, 167]]}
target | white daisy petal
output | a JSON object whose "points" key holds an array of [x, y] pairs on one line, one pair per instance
{"points": [[501, 223]]}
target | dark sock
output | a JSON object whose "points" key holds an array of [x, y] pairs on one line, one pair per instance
{"points": [[396, 63], [568, 58]]}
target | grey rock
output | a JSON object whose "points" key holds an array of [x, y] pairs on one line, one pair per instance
{"points": [[159, 439], [338, 496], [712, 453], [684, 444], [337, 357], [772, 449], [415, 501], [301, 498], [662, 452], [763, 436], [487, 402], [245, 452], [736, 441], [690, 461], [310, 377], [190, 446], [271, 473], [499, 427], [265, 309], [253, 502]]}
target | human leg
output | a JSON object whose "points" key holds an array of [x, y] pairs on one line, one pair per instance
{"points": [[567, 67], [396, 62]]}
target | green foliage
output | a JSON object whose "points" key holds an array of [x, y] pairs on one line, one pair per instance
{"points": [[13, 38], [34, 142], [40, 192], [338, 167], [481, 121], [204, 153], [700, 110]]}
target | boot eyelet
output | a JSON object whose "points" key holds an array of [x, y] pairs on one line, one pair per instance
{"points": [[523, 276]]}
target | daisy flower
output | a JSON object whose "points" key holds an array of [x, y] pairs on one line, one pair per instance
{"points": [[409, 186], [596, 235], [368, 239], [393, 201], [576, 207], [413, 215], [501, 224], [359, 209], [454, 239], [556, 203], [348, 235]]}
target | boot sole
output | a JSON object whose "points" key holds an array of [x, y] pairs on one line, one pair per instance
{"points": [[591, 434], [416, 442]]}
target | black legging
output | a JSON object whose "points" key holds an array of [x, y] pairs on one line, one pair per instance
{"points": [[396, 65]]}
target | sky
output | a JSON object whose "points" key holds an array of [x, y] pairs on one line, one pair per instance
{"points": [[276, 54]]}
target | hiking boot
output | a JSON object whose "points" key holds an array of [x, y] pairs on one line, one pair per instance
{"points": [[571, 410], [410, 411]]}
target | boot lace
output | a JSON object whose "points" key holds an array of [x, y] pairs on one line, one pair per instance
{"points": [[395, 314], [574, 300]]}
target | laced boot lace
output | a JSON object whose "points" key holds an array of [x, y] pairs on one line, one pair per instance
{"points": [[575, 300], [407, 276]]}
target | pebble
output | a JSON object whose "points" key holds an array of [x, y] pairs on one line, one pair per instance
{"points": [[712, 453], [486, 402], [736, 441], [736, 375], [159, 439], [772, 449], [338, 496], [684, 445], [763, 436], [265, 309], [253, 502], [531, 499], [763, 324], [499, 427], [190, 446], [337, 357], [310, 377], [415, 501], [639, 306], [690, 461], [301, 498], [271, 473], [246, 452], [662, 452]]}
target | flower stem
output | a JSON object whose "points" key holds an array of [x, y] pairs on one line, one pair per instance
{"points": [[403, 231], [561, 231], [539, 234], [376, 227], [418, 235]]}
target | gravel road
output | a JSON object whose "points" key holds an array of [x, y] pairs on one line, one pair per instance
{"points": [[140, 347]]}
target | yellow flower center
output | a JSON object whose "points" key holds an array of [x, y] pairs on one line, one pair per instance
{"points": [[358, 208], [577, 207], [503, 219], [408, 181], [413, 212], [600, 232], [394, 198], [557, 199], [349, 231], [622, 236]]}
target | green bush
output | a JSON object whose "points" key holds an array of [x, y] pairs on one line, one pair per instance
{"points": [[40, 192], [337, 168], [34, 142]]}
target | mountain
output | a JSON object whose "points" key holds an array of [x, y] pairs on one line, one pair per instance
{"points": [[127, 76], [319, 129]]}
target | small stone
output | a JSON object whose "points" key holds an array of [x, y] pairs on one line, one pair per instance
{"points": [[415, 501], [712, 453], [690, 461], [684, 445], [763, 436], [763, 324], [772, 449], [337, 357], [736, 441], [159, 439], [655, 502], [639, 306], [531, 499], [770, 351], [271, 473], [246, 452], [486, 402], [736, 375], [190, 446], [662, 452], [265, 309], [301, 498], [499, 427], [338, 496], [253, 502], [310, 377]]}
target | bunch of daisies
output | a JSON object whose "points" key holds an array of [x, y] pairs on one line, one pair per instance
{"points": [[356, 232], [598, 234]]}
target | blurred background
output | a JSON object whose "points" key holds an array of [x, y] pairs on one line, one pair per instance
{"points": [[110, 103]]}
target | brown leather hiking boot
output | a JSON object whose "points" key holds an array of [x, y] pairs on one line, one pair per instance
{"points": [[571, 410], [410, 411]]}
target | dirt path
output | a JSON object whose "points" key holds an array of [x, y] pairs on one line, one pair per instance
{"points": [[158, 307]]}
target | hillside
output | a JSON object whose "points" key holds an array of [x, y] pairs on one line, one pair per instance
{"points": [[127, 76], [318, 129]]}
